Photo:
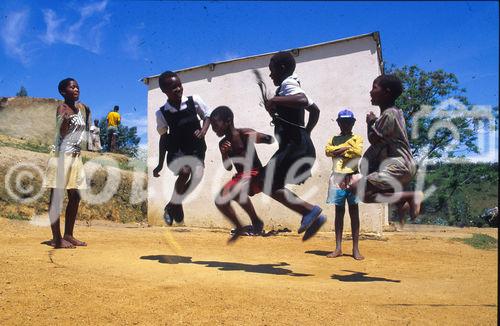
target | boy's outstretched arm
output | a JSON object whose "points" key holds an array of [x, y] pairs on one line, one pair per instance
{"points": [[264, 138], [161, 158], [313, 117], [258, 137]]}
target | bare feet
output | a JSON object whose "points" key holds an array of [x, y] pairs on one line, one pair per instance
{"points": [[415, 204], [61, 244], [74, 241], [356, 255], [334, 254], [402, 209]]}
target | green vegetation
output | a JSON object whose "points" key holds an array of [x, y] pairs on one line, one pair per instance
{"points": [[463, 196], [480, 241], [127, 142], [127, 166], [22, 92], [16, 216], [431, 88], [29, 146], [466, 194]]}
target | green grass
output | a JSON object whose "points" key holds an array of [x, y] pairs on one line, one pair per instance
{"points": [[121, 165], [14, 216], [29, 146], [480, 241], [43, 148]]}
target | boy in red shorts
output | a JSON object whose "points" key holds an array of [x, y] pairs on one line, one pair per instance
{"points": [[237, 148]]}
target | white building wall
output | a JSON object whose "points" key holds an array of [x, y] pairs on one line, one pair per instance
{"points": [[335, 75]]}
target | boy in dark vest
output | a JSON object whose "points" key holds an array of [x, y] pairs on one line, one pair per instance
{"points": [[182, 136], [292, 162]]}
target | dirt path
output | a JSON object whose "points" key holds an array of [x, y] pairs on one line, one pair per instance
{"points": [[130, 275]]}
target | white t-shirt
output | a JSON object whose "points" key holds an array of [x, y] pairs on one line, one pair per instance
{"points": [[291, 86], [201, 108], [95, 130]]}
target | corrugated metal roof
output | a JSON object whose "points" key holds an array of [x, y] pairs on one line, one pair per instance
{"points": [[375, 35]]}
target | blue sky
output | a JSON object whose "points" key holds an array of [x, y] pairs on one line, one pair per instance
{"points": [[109, 45]]}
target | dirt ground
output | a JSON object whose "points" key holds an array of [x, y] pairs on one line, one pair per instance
{"points": [[132, 275]]}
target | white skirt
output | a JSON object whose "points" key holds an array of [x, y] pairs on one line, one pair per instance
{"points": [[65, 172]]}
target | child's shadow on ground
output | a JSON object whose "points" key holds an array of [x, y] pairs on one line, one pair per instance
{"points": [[360, 277], [227, 266]]}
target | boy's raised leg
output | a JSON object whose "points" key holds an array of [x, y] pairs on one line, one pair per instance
{"points": [[257, 224], [309, 212], [409, 202], [415, 204], [228, 211]]}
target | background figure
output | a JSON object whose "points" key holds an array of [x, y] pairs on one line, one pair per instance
{"points": [[95, 137], [113, 120]]}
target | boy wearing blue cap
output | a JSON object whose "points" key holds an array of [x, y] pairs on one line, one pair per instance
{"points": [[345, 151]]}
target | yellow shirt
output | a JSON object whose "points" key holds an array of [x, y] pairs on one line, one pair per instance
{"points": [[113, 119], [347, 163]]}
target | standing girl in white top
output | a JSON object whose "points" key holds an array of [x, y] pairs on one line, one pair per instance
{"points": [[65, 168]]}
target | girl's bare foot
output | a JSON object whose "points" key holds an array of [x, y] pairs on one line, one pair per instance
{"points": [[415, 204], [74, 241], [356, 255], [334, 254], [402, 209], [61, 244]]}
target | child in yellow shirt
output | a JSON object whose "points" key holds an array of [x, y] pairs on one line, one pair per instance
{"points": [[345, 151]]}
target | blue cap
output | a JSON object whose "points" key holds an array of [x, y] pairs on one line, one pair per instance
{"points": [[346, 114]]}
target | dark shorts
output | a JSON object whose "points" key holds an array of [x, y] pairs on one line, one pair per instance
{"points": [[289, 154], [112, 130], [176, 158]]}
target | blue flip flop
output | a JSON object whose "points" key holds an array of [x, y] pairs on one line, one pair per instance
{"points": [[314, 228], [309, 218]]}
